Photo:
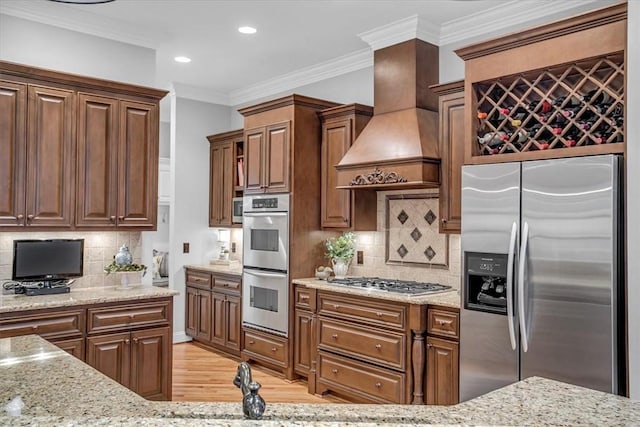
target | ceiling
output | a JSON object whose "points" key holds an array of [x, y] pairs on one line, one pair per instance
{"points": [[294, 36]]}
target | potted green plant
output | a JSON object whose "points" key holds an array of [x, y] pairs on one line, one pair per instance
{"points": [[340, 251]]}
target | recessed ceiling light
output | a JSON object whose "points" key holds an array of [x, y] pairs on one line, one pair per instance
{"points": [[247, 30], [182, 59], [83, 1]]}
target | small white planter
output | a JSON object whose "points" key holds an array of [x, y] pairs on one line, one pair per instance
{"points": [[128, 279], [340, 267]]}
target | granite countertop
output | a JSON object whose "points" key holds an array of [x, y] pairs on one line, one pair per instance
{"points": [[446, 299], [59, 389], [82, 296], [234, 268]]}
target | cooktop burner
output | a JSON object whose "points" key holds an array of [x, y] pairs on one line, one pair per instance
{"points": [[390, 285]]}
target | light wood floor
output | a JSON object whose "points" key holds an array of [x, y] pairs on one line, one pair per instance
{"points": [[201, 375]]}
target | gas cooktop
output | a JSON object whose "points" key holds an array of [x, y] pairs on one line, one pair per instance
{"points": [[390, 285]]}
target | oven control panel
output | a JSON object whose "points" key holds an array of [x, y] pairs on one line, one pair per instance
{"points": [[270, 203]]}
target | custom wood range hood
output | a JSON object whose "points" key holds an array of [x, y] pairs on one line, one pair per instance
{"points": [[399, 146]]}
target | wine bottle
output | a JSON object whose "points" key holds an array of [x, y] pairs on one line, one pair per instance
{"points": [[558, 124], [586, 124], [616, 117], [602, 107], [493, 140], [593, 97], [572, 103], [602, 134], [519, 140], [545, 106], [571, 138]]}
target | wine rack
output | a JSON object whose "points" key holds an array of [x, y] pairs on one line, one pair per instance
{"points": [[579, 104]]}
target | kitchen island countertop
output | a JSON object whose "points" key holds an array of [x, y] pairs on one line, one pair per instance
{"points": [[449, 298], [59, 389], [82, 296], [234, 268]]}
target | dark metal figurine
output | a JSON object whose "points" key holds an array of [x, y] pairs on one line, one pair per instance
{"points": [[253, 405]]}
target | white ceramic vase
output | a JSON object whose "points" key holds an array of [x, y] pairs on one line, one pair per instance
{"points": [[129, 278], [340, 267]]}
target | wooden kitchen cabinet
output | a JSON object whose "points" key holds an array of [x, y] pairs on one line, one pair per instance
{"points": [[139, 360], [452, 144], [442, 374], [302, 353], [340, 208], [267, 157], [83, 152], [213, 310], [226, 153]]}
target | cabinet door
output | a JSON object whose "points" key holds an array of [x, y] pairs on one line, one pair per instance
{"points": [[253, 146], [442, 372], [233, 322], [205, 318], [221, 184], [151, 363], [13, 134], [302, 342], [335, 204], [138, 165], [276, 161], [219, 318], [50, 154], [97, 161], [74, 346], [191, 313], [452, 154], [110, 354]]}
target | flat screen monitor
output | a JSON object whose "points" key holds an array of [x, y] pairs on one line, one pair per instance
{"points": [[47, 260]]}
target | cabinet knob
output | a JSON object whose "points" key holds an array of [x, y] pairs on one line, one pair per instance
{"points": [[336, 306], [252, 342], [20, 217], [135, 340], [112, 218], [444, 220], [429, 345], [273, 349], [378, 346], [121, 218], [378, 314], [334, 371], [34, 327], [126, 341], [378, 385], [334, 336], [30, 217]]}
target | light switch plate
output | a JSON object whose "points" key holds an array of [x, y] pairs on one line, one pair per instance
{"points": [[185, 248], [359, 257]]}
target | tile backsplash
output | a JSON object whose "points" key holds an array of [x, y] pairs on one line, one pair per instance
{"points": [[382, 257], [99, 249]]}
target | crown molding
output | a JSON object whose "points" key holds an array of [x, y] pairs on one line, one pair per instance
{"points": [[199, 93], [322, 71], [413, 27], [80, 21], [519, 13]]}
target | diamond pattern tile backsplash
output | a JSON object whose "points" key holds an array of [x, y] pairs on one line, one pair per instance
{"points": [[412, 231], [407, 244]]}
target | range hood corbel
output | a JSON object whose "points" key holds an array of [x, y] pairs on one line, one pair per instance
{"points": [[399, 146]]}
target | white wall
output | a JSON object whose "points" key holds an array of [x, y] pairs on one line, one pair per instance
{"points": [[191, 122], [46, 46], [633, 196]]}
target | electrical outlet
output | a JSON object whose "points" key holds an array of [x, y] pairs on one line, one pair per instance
{"points": [[185, 248], [233, 247], [359, 257]]}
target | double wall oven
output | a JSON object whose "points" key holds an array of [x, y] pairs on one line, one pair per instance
{"points": [[265, 278]]}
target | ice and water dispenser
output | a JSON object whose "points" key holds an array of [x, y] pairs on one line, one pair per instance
{"points": [[486, 282]]}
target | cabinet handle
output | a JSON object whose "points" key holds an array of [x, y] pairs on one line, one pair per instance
{"points": [[378, 385], [252, 342], [226, 285], [304, 297], [443, 322], [444, 220], [112, 218], [121, 218], [30, 217], [34, 327], [378, 346], [378, 314], [334, 336], [273, 349], [126, 341], [429, 345], [135, 340], [334, 371], [20, 217], [336, 306]]}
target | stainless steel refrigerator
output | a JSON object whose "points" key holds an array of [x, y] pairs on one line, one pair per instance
{"points": [[542, 274]]}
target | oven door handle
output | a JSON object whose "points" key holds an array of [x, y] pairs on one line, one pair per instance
{"points": [[263, 274], [263, 214]]}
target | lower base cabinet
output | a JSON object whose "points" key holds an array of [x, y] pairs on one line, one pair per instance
{"points": [[139, 360], [302, 337], [74, 347], [442, 371]]}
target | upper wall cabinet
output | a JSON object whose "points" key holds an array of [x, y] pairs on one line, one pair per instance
{"points": [[275, 134], [552, 91], [225, 175], [82, 153]]}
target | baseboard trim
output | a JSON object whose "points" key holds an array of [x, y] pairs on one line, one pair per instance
{"points": [[180, 336]]}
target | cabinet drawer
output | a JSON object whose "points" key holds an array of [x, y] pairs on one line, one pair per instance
{"points": [[47, 325], [303, 297], [369, 311], [199, 279], [126, 317], [266, 347], [381, 347], [226, 285], [371, 384], [444, 323]]}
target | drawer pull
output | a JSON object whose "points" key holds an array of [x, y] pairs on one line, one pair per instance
{"points": [[135, 340], [252, 342], [273, 349], [126, 341], [442, 322], [378, 346], [334, 371], [34, 327], [378, 385], [429, 345], [334, 336], [304, 297], [378, 314], [226, 285], [336, 306]]}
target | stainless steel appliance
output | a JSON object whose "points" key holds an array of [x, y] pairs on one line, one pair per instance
{"points": [[265, 279], [542, 289], [236, 216], [406, 287]]}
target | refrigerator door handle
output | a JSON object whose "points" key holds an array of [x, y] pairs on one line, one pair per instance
{"points": [[510, 262], [521, 266]]}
